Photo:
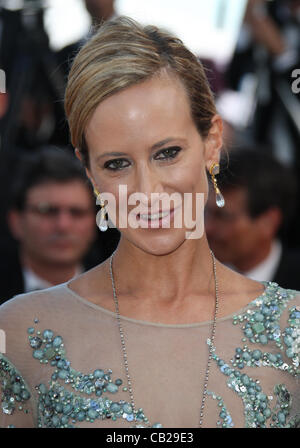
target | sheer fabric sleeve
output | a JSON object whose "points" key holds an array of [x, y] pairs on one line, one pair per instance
{"points": [[288, 401], [254, 373], [16, 396]]}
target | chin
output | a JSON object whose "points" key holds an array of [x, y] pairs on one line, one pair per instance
{"points": [[63, 259], [160, 243]]}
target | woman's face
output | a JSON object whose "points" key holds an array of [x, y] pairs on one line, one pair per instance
{"points": [[143, 140]]}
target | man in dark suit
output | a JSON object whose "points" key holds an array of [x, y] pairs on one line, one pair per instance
{"points": [[52, 218], [251, 233]]}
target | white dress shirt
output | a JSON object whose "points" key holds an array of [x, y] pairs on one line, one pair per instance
{"points": [[32, 282]]}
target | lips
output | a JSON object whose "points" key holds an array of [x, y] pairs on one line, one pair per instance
{"points": [[162, 219], [154, 216]]}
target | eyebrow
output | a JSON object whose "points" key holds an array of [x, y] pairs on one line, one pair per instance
{"points": [[114, 154], [163, 142], [155, 146]]}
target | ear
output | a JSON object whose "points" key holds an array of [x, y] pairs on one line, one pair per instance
{"points": [[15, 224], [87, 171], [213, 142]]}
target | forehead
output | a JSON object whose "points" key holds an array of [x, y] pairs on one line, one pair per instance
{"points": [[70, 192], [151, 110]]}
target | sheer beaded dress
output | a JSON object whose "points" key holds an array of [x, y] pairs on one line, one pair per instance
{"points": [[63, 367]]}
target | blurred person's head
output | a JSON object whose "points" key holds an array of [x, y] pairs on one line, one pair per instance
{"points": [[100, 10], [260, 197], [294, 6], [52, 214]]}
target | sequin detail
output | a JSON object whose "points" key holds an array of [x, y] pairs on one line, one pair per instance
{"points": [[15, 392], [71, 397], [225, 419], [61, 407], [260, 325]]}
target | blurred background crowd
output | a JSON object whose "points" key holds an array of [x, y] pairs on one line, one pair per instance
{"points": [[48, 230]]}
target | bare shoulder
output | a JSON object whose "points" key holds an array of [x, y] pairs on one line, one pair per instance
{"points": [[234, 282], [237, 291]]}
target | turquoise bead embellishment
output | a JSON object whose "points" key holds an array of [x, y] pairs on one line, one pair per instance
{"points": [[15, 392], [60, 407], [71, 397], [225, 420], [260, 325], [257, 405]]}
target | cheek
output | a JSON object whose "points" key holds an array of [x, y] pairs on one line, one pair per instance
{"points": [[87, 226], [107, 184], [196, 171], [243, 234], [190, 177], [36, 228], [230, 233]]}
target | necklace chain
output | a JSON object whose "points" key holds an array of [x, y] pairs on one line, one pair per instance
{"points": [[210, 341]]}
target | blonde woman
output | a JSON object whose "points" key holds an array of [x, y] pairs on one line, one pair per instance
{"points": [[161, 334]]}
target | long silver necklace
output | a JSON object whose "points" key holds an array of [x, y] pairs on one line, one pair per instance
{"points": [[210, 341]]}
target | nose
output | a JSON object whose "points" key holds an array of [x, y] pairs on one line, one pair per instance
{"points": [[149, 181], [63, 220]]}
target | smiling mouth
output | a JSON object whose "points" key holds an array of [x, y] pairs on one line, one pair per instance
{"points": [[154, 216]]}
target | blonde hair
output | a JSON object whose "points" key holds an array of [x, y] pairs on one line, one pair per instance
{"points": [[123, 53]]}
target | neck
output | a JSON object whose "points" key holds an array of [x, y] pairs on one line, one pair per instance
{"points": [[54, 273], [259, 254], [172, 277]]}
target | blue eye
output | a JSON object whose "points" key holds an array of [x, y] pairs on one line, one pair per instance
{"points": [[116, 164], [168, 153]]}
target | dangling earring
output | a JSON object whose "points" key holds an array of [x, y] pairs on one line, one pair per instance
{"points": [[215, 169], [101, 220]]}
